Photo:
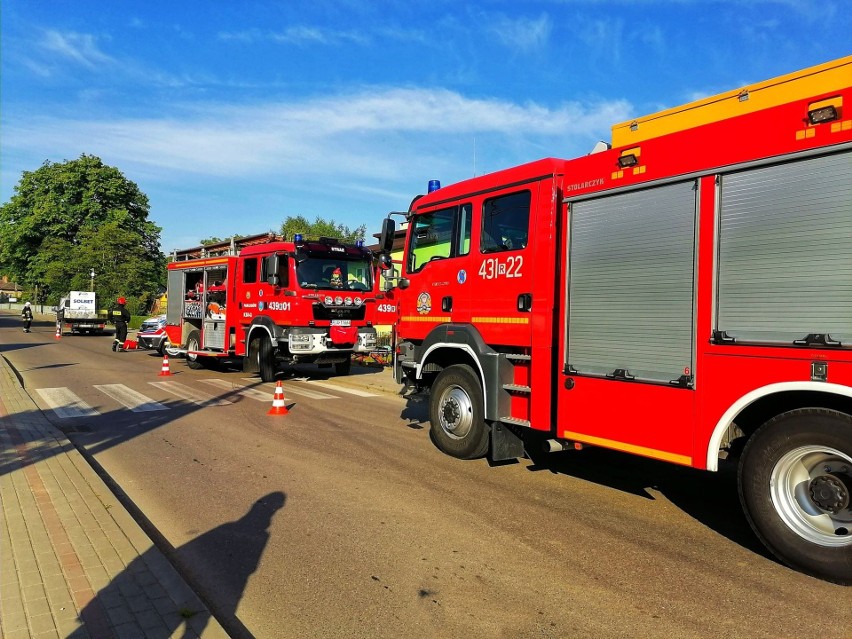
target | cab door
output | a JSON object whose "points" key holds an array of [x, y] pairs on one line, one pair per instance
{"points": [[502, 266]]}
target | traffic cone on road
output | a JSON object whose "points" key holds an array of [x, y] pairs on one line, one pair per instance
{"points": [[164, 371], [58, 331], [278, 405]]}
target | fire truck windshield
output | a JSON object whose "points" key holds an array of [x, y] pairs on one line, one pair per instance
{"points": [[335, 273]]}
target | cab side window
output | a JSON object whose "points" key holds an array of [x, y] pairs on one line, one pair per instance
{"points": [[438, 235], [250, 270], [505, 223]]}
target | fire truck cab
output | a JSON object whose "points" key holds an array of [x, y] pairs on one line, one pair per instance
{"points": [[684, 294], [275, 301]]}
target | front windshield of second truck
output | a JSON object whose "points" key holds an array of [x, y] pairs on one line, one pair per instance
{"points": [[335, 274]]}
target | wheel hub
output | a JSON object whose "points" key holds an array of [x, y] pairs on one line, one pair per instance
{"points": [[451, 413], [829, 493], [456, 412]]}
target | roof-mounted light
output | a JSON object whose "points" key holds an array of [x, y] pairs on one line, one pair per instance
{"points": [[629, 157], [825, 110], [359, 243], [297, 237], [434, 185], [627, 160], [822, 114]]}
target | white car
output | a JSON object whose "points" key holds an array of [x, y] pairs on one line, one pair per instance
{"points": [[152, 334]]}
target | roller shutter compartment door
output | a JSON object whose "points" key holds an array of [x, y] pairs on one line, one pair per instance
{"points": [[785, 251], [631, 272], [174, 303]]}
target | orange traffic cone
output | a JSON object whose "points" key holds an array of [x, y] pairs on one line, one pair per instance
{"points": [[58, 331], [278, 405], [164, 371]]}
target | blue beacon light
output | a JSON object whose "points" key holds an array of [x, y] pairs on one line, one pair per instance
{"points": [[359, 243], [434, 185], [297, 237]]}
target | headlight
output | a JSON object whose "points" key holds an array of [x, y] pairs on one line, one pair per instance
{"points": [[358, 301], [329, 300], [300, 342], [348, 301], [338, 300]]}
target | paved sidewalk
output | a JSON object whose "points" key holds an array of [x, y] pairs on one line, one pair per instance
{"points": [[73, 562]]}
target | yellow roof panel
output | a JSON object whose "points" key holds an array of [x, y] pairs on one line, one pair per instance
{"points": [[818, 80]]}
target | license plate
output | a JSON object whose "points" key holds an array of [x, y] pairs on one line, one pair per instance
{"points": [[341, 322]]}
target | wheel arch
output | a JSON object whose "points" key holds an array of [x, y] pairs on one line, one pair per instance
{"points": [[261, 325], [757, 407], [450, 344]]}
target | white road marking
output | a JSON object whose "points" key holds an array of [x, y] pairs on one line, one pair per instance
{"points": [[342, 389], [190, 394], [252, 393], [137, 402], [66, 404], [303, 392]]}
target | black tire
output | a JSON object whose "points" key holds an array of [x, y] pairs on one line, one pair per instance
{"points": [[250, 359], [343, 368], [161, 349], [795, 483], [456, 413], [266, 359], [193, 343]]}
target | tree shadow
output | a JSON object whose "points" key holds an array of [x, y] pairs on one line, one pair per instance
{"points": [[134, 604]]}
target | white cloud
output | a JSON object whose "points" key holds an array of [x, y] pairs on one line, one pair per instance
{"points": [[371, 133], [79, 48], [297, 35], [524, 34]]}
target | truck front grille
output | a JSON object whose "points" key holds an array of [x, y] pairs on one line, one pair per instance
{"points": [[323, 312]]}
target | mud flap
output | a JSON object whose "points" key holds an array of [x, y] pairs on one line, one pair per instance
{"points": [[504, 443]]}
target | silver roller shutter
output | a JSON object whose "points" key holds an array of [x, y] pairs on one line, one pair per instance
{"points": [[785, 251], [174, 304], [631, 300]]}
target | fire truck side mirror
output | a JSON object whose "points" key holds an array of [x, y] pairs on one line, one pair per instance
{"points": [[388, 232], [272, 270]]}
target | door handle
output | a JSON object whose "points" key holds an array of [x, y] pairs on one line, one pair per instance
{"points": [[447, 304], [525, 302]]}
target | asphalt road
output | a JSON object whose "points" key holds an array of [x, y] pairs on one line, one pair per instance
{"points": [[341, 519]]}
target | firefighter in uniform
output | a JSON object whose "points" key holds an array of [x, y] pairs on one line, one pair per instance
{"points": [[119, 316], [27, 316]]}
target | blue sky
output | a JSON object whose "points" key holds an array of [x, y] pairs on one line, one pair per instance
{"points": [[233, 115]]}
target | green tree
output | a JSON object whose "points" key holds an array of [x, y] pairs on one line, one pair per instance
{"points": [[68, 218], [218, 240], [321, 228]]}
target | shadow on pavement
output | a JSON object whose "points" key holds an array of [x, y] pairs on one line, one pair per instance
{"points": [[236, 547]]}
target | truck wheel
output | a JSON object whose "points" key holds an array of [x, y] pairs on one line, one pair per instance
{"points": [[456, 414], [161, 349], [343, 368], [795, 483], [266, 359], [193, 343]]}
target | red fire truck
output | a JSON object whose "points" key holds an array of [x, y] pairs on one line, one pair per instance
{"points": [[271, 300], [684, 294]]}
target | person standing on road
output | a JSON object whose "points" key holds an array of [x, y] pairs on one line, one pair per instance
{"points": [[27, 316], [120, 316]]}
